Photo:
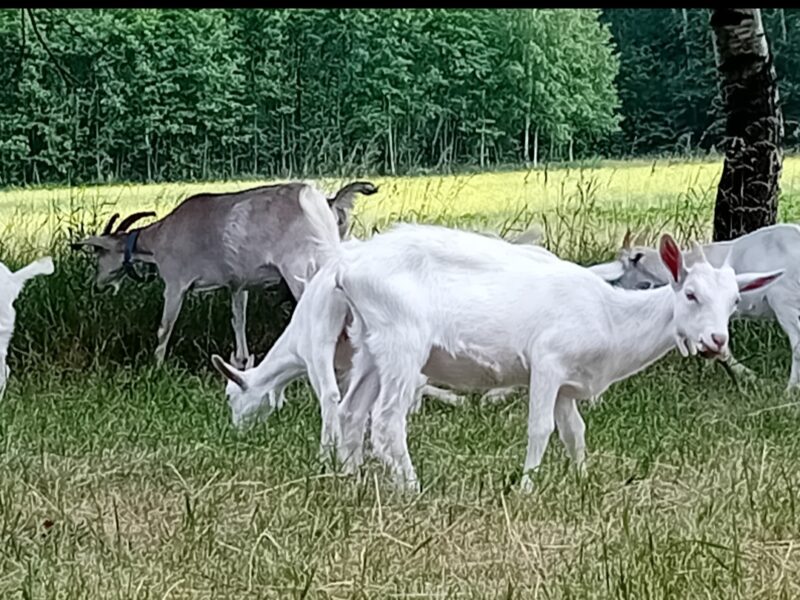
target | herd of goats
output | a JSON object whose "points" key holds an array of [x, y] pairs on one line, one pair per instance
{"points": [[380, 322]]}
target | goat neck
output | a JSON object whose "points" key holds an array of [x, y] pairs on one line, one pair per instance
{"points": [[642, 326]]}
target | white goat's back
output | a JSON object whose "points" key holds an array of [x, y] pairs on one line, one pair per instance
{"points": [[774, 247], [432, 279]]}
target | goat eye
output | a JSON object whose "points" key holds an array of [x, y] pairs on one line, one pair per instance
{"points": [[637, 258], [691, 297]]}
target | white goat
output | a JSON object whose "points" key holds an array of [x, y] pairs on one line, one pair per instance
{"points": [[11, 284], [315, 342], [321, 315], [769, 248], [464, 309]]}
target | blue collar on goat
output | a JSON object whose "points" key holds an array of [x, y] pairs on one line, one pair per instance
{"points": [[127, 259]]}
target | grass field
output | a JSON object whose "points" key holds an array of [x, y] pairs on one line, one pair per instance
{"points": [[120, 480], [598, 200]]}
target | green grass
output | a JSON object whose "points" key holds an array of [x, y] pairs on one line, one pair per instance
{"points": [[120, 480]]}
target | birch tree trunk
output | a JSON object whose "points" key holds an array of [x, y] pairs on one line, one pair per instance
{"points": [[747, 196], [527, 153]]}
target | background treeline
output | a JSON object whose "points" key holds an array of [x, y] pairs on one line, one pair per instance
{"points": [[144, 94]]}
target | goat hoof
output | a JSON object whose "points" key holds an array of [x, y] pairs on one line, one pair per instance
{"points": [[408, 486], [491, 397], [526, 485]]}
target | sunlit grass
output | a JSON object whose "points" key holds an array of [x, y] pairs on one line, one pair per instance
{"points": [[646, 195]]}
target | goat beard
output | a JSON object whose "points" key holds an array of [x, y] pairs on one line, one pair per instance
{"points": [[685, 346]]}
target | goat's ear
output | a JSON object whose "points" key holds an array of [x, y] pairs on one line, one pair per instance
{"points": [[696, 254], [342, 216], [749, 282], [94, 242], [610, 271], [673, 259], [228, 371]]}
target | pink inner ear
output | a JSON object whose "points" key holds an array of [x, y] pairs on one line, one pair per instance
{"points": [[671, 255], [757, 283]]}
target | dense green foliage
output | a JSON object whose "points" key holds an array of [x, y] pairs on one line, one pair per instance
{"points": [[667, 81], [146, 94], [174, 94]]}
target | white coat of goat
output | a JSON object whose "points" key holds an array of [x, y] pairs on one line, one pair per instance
{"points": [[315, 343], [465, 309], [767, 249], [11, 284]]}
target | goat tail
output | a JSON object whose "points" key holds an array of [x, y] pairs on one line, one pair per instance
{"points": [[345, 197], [359, 323], [324, 231], [41, 266]]}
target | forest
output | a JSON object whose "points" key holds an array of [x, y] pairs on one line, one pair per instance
{"points": [[103, 95]]}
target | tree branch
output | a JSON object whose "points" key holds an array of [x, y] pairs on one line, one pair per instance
{"points": [[61, 71], [18, 68]]}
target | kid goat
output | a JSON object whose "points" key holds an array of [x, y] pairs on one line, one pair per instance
{"points": [[11, 284], [769, 248], [436, 300]]}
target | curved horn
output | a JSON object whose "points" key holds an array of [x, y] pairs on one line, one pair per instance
{"points": [[110, 224], [131, 219], [727, 262], [698, 251], [626, 241]]}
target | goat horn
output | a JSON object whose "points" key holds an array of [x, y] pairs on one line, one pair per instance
{"points": [[698, 250], [626, 241], [110, 224], [727, 262], [131, 219]]}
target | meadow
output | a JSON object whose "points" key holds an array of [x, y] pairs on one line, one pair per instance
{"points": [[122, 480]]}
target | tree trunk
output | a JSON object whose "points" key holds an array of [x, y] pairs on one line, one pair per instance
{"points": [[527, 153], [747, 196], [149, 154], [536, 147], [483, 144], [255, 142], [783, 25], [283, 148], [686, 32], [391, 148]]}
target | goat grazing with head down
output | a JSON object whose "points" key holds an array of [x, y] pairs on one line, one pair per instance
{"points": [[461, 309], [11, 284], [315, 341], [234, 240], [769, 248]]}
